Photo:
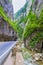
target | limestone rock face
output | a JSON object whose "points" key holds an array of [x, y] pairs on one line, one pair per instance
{"points": [[8, 8], [6, 32], [37, 6]]}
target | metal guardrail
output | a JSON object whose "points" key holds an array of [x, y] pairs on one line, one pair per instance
{"points": [[4, 55]]}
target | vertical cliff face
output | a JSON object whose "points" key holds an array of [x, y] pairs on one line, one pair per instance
{"points": [[8, 8], [36, 37], [6, 32], [37, 6]]}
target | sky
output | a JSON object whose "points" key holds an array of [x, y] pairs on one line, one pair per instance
{"points": [[17, 4]]}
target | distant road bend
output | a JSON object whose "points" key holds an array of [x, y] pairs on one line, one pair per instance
{"points": [[5, 48]]}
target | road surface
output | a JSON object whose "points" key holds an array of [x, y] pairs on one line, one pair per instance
{"points": [[5, 47]]}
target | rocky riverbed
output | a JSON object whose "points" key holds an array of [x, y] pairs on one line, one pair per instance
{"points": [[32, 58]]}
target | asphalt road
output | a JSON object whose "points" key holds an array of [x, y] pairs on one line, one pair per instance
{"points": [[5, 47]]}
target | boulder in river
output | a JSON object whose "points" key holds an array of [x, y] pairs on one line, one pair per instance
{"points": [[38, 56]]}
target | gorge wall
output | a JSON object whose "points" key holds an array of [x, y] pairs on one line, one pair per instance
{"points": [[6, 32]]}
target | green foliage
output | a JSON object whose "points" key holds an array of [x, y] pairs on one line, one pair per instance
{"points": [[23, 19], [13, 24], [36, 38], [26, 53], [7, 19], [32, 25], [41, 17]]}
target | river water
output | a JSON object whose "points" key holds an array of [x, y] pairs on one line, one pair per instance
{"points": [[28, 60]]}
